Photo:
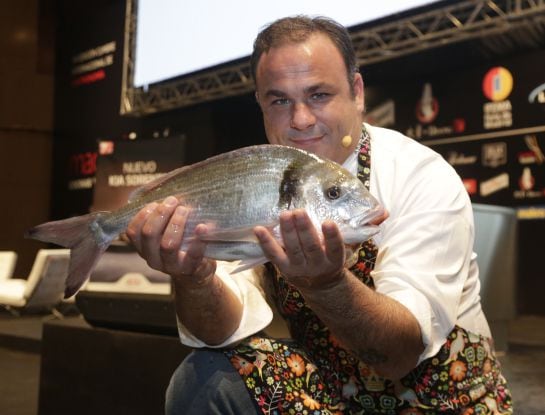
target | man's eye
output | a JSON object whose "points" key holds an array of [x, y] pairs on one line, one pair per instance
{"points": [[319, 95], [280, 101]]}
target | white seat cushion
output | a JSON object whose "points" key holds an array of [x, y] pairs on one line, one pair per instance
{"points": [[12, 292]]}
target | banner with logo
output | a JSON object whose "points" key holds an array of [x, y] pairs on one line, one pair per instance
{"points": [[487, 122], [123, 166]]}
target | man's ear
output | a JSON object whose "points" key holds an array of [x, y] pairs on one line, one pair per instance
{"points": [[359, 91]]}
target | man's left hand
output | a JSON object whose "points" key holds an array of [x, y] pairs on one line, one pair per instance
{"points": [[306, 260]]}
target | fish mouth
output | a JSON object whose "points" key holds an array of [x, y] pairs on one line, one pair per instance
{"points": [[365, 218]]}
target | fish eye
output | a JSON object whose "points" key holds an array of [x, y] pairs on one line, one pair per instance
{"points": [[333, 192]]}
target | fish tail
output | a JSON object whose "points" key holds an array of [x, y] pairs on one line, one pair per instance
{"points": [[84, 236]]}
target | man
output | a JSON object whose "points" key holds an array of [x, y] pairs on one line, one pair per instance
{"points": [[409, 337]]}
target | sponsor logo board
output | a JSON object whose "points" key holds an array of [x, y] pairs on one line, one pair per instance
{"points": [[497, 85], [495, 184], [537, 95], [531, 212], [460, 159], [494, 154], [427, 106]]}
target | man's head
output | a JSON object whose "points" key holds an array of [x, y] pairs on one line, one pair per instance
{"points": [[298, 29], [308, 86]]}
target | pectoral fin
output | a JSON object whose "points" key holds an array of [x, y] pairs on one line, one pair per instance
{"points": [[248, 264], [242, 234]]}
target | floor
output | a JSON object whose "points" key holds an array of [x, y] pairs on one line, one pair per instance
{"points": [[523, 364]]}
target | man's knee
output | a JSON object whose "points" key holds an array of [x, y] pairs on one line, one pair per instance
{"points": [[206, 383]]}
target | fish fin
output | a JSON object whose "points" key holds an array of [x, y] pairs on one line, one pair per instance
{"points": [[83, 259], [242, 234], [248, 264], [232, 235], [78, 234]]}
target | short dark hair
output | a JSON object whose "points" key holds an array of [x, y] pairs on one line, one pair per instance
{"points": [[298, 29]]}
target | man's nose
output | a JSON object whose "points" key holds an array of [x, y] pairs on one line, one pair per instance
{"points": [[302, 116]]}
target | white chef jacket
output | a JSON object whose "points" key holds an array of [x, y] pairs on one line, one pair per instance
{"points": [[425, 258]]}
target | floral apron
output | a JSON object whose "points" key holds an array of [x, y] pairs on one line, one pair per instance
{"points": [[312, 374]]}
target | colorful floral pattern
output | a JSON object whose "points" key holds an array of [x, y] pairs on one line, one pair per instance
{"points": [[313, 374]]}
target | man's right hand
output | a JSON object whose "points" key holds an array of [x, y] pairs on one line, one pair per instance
{"points": [[157, 232]]}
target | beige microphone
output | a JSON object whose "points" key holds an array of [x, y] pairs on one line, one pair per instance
{"points": [[346, 141]]}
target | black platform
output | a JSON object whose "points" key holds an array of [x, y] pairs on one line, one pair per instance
{"points": [[88, 370]]}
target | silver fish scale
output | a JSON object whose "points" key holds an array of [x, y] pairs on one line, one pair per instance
{"points": [[228, 190], [246, 192]]}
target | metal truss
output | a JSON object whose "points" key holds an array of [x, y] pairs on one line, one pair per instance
{"points": [[461, 21]]}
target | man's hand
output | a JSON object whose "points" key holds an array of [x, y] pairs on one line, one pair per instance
{"points": [[306, 260], [157, 232]]}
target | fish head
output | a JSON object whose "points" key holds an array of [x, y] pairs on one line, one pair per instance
{"points": [[329, 192]]}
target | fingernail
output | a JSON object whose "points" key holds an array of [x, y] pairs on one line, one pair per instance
{"points": [[201, 229], [180, 210], [170, 201]]}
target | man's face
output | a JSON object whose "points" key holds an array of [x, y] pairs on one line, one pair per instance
{"points": [[303, 91]]}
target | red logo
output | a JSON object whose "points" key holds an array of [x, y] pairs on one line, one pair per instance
{"points": [[89, 78], [82, 164], [497, 84], [470, 185], [459, 125], [105, 148]]}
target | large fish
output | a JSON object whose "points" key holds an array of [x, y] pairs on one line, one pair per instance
{"points": [[233, 192]]}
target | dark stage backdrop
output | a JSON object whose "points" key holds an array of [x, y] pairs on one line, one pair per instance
{"points": [[486, 117], [87, 101]]}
